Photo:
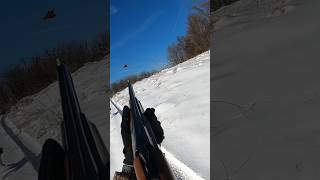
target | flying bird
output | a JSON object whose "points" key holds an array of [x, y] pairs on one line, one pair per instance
{"points": [[50, 15]]}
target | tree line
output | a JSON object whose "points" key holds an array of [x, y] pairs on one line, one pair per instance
{"points": [[196, 41], [197, 38], [37, 72]]}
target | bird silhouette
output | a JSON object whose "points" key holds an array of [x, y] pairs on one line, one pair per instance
{"points": [[50, 15]]}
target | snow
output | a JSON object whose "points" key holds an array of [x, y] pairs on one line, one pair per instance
{"points": [[181, 98], [180, 95], [267, 95], [244, 11], [17, 166], [38, 117]]}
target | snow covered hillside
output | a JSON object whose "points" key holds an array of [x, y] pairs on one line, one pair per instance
{"points": [[266, 95], [39, 117], [181, 98], [244, 11]]}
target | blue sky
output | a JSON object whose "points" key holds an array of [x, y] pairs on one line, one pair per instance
{"points": [[23, 32], [141, 31]]}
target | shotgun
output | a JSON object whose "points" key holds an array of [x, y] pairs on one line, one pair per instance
{"points": [[87, 157], [149, 161]]}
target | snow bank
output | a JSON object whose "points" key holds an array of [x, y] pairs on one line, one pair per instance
{"points": [[181, 97], [39, 116], [273, 62], [244, 11]]}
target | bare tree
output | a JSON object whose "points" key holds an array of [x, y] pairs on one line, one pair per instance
{"points": [[176, 52], [197, 39]]}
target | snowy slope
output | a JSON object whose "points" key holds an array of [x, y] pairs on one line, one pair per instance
{"points": [[244, 11], [266, 99], [181, 98], [18, 166], [39, 115]]}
